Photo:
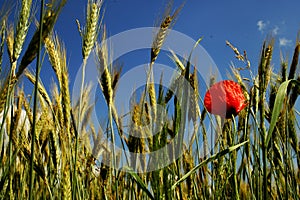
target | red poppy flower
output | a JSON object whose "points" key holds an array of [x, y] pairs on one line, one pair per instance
{"points": [[225, 98]]}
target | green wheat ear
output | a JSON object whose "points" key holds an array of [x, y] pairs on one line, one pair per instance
{"points": [[22, 28], [90, 31], [50, 18]]}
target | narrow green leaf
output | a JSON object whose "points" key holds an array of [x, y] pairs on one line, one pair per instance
{"points": [[139, 181], [281, 94], [213, 157], [176, 60], [194, 47]]}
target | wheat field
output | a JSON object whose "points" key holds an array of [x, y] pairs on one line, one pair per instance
{"points": [[51, 149]]}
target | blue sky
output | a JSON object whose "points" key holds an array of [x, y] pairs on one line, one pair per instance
{"points": [[244, 23]]}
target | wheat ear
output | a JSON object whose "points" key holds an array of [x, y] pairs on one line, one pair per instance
{"points": [[22, 28], [91, 29], [162, 33], [10, 42], [50, 18], [52, 48], [66, 185], [106, 79], [41, 88]]}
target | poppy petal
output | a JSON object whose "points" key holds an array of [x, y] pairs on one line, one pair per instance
{"points": [[225, 98]]}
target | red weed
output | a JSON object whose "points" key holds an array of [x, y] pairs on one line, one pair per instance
{"points": [[225, 98]]}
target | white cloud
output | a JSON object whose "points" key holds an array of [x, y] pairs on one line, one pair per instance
{"points": [[261, 25], [275, 30], [285, 42]]}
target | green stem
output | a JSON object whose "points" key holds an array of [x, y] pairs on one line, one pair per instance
{"points": [[74, 181], [264, 147], [113, 149], [233, 157], [38, 67]]}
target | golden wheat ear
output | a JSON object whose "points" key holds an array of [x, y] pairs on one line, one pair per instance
{"points": [[54, 51], [167, 23]]}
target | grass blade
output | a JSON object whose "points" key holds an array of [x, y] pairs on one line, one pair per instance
{"points": [[139, 181], [281, 94], [213, 157]]}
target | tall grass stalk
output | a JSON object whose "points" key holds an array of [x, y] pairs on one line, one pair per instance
{"points": [[35, 100], [88, 41]]}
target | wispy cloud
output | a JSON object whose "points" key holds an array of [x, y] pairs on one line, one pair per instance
{"points": [[285, 42], [266, 26], [275, 30], [261, 25]]}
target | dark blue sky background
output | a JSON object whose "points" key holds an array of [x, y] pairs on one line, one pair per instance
{"points": [[216, 21], [244, 23]]}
